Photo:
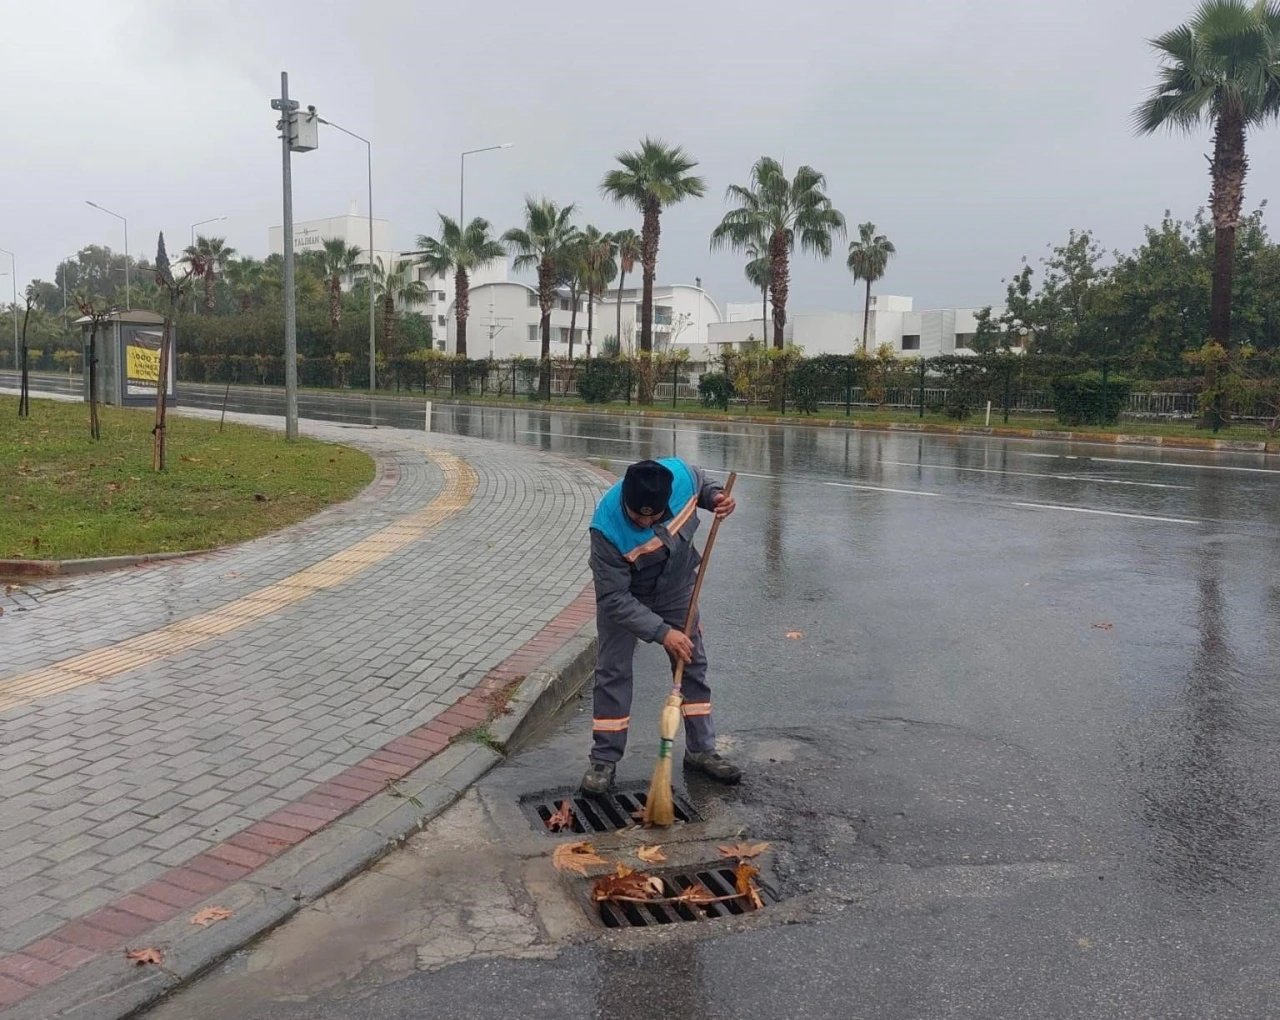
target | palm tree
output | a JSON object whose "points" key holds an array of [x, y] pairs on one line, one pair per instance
{"points": [[460, 252], [1221, 68], [394, 286], [246, 277], [651, 178], [572, 268], [868, 259], [599, 267], [757, 273], [628, 242], [210, 255], [776, 209], [335, 263], [542, 244]]}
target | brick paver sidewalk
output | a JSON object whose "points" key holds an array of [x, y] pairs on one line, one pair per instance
{"points": [[165, 730]]}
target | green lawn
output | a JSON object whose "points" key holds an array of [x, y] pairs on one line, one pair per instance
{"points": [[65, 496]]}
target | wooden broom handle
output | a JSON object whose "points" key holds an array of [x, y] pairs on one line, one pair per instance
{"points": [[706, 560]]}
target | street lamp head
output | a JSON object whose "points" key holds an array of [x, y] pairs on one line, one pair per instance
{"points": [[506, 145]]}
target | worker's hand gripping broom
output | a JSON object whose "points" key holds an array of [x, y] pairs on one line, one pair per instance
{"points": [[659, 809]]}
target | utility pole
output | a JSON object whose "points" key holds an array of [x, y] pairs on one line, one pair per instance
{"points": [[297, 134]]}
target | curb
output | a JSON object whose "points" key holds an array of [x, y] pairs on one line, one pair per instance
{"points": [[66, 568], [111, 988]]}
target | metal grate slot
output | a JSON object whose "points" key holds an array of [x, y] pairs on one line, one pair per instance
{"points": [[616, 810], [719, 881]]}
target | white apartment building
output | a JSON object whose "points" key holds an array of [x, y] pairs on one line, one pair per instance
{"points": [[682, 315], [909, 333], [505, 317]]}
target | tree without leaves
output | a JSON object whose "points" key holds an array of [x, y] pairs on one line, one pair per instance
{"points": [[541, 244], [209, 255], [1221, 68], [868, 259], [460, 252], [98, 312], [778, 209], [650, 179], [32, 294]]}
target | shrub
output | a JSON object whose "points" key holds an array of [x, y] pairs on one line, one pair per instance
{"points": [[715, 389], [1083, 400], [601, 380]]}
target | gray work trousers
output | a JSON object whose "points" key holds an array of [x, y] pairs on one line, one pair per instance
{"points": [[613, 682]]}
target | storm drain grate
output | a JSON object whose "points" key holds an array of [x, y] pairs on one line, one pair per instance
{"points": [[717, 880], [616, 810]]}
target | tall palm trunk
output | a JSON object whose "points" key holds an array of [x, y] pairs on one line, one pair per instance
{"points": [[764, 314], [622, 277], [1226, 199], [866, 319], [546, 299], [779, 271], [335, 304], [649, 236], [388, 326], [208, 291], [591, 297], [573, 317], [462, 301]]}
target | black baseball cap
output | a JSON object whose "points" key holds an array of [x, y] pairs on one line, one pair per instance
{"points": [[646, 488]]}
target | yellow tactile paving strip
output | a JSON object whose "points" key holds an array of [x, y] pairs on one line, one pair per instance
{"points": [[459, 487]]}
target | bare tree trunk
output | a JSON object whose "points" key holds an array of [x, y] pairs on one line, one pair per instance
{"points": [[573, 317], [546, 298], [94, 432], [779, 270], [866, 320], [1227, 172], [462, 306], [24, 388], [591, 297], [162, 386], [622, 276]]}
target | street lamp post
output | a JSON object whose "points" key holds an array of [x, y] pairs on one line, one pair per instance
{"points": [[13, 266], [126, 246], [462, 179], [373, 350], [201, 223]]}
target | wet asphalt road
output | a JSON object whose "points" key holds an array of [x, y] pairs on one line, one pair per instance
{"points": [[1027, 742]]}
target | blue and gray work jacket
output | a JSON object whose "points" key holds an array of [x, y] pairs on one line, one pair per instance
{"points": [[638, 568]]}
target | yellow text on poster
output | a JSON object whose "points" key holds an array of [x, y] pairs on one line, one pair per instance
{"points": [[142, 364]]}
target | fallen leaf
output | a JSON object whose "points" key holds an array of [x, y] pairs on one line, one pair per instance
{"points": [[1102, 626], [744, 881], [190, 460], [638, 815], [210, 914], [628, 884], [562, 819], [113, 486], [141, 957], [651, 854], [744, 851], [575, 857], [794, 635], [696, 894], [261, 498]]}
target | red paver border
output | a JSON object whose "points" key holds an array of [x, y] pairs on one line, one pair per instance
{"points": [[127, 919]]}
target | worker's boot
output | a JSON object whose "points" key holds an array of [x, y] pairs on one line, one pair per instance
{"points": [[599, 778], [710, 763]]}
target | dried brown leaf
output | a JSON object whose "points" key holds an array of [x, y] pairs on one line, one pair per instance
{"points": [[627, 884], [575, 857], [697, 894], [211, 914], [142, 957], [651, 854], [744, 881], [638, 815], [794, 635], [744, 851], [562, 819]]}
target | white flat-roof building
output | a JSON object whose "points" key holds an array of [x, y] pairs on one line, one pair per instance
{"points": [[682, 316], [505, 318], [893, 321]]}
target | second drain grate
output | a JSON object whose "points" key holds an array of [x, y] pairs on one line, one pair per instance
{"points": [[719, 881], [616, 810]]}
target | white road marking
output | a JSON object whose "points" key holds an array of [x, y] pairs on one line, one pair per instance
{"points": [[1106, 513], [881, 488], [1194, 467], [1038, 474]]}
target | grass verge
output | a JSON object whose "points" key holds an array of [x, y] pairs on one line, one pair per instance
{"points": [[64, 496]]}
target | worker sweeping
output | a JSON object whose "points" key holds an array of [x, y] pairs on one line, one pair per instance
{"points": [[644, 564]]}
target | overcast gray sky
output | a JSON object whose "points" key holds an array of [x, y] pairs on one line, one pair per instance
{"points": [[970, 131]]}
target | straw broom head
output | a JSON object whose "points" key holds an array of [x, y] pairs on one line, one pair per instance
{"points": [[659, 808]]}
